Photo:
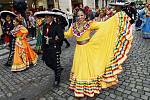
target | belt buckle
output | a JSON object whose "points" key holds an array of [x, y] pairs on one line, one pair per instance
{"points": [[47, 39]]}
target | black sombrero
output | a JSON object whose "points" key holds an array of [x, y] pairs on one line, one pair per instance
{"points": [[58, 10], [117, 4], [3, 14], [44, 13], [49, 13]]}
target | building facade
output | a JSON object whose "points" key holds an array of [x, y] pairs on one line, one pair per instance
{"points": [[62, 4]]}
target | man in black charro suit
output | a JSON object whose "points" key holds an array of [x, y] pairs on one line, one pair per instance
{"points": [[51, 46]]}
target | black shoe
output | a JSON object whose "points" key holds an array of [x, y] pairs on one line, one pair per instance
{"points": [[7, 64], [57, 77], [67, 46], [56, 83]]}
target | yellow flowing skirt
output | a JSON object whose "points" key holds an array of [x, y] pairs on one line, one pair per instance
{"points": [[97, 63]]}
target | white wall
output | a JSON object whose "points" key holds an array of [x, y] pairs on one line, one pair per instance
{"points": [[90, 3], [64, 4], [42, 3]]}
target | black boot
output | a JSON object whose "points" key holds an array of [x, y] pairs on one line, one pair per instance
{"points": [[57, 77], [67, 43], [7, 64], [11, 54]]}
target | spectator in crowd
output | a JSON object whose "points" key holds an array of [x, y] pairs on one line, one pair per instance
{"points": [[31, 25], [146, 26], [1, 32], [7, 27], [102, 16]]}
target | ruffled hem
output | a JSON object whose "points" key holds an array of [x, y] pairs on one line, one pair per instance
{"points": [[123, 45], [91, 87], [21, 67]]}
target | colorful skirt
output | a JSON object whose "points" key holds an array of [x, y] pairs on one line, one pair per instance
{"points": [[24, 56], [39, 42], [97, 63], [146, 29]]}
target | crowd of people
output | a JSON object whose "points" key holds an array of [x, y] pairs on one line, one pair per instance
{"points": [[143, 21], [103, 39]]}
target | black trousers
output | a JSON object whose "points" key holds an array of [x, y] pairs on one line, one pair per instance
{"points": [[51, 56], [12, 50], [32, 32]]}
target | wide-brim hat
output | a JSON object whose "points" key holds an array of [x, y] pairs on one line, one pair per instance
{"points": [[44, 13], [63, 16], [58, 10], [3, 14], [50, 13], [60, 13], [117, 4]]}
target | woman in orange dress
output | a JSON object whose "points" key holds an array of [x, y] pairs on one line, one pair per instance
{"points": [[24, 56]]}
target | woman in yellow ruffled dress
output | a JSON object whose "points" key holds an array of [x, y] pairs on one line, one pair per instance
{"points": [[24, 56], [98, 56]]}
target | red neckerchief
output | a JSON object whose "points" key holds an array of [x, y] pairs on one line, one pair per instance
{"points": [[48, 27]]}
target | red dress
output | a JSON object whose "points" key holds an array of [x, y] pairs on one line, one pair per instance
{"points": [[7, 27]]}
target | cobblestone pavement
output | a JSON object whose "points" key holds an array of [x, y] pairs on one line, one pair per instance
{"points": [[134, 82], [26, 84]]}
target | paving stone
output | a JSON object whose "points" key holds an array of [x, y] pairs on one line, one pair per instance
{"points": [[98, 99], [147, 93], [133, 82], [138, 99], [50, 98], [147, 89], [9, 94], [128, 88], [65, 95], [135, 94], [2, 95], [144, 97], [60, 92], [141, 91], [139, 84], [42, 99], [119, 98], [132, 85], [131, 97], [127, 92], [60, 98], [139, 87], [106, 93], [112, 96], [109, 98], [125, 95], [120, 89], [102, 96]]}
